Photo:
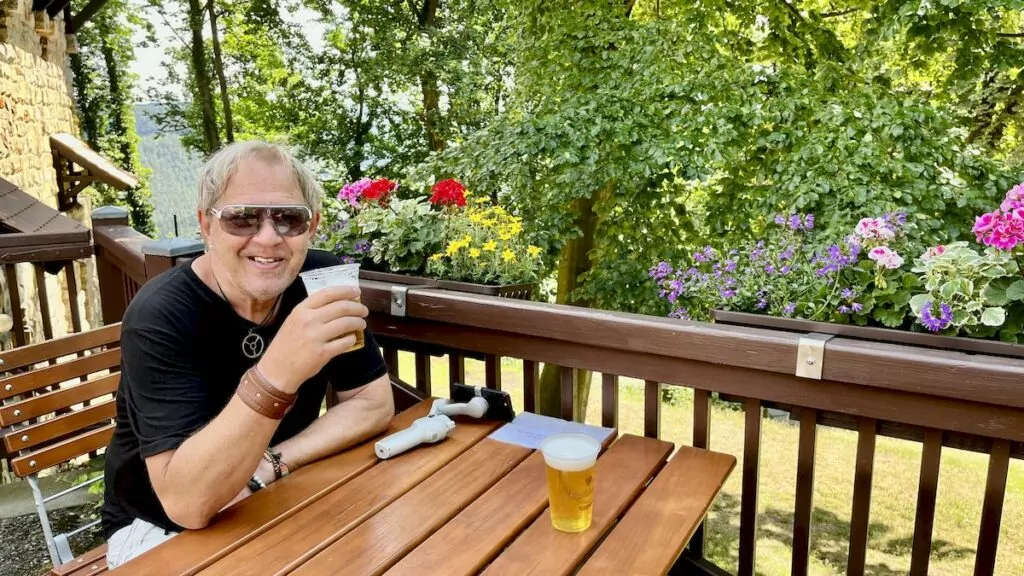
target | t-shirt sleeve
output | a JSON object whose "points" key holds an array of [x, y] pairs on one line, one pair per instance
{"points": [[166, 397], [358, 368]]}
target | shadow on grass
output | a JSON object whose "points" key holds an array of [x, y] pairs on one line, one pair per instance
{"points": [[829, 538]]}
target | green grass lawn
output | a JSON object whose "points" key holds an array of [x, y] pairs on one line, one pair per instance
{"points": [[897, 465]]}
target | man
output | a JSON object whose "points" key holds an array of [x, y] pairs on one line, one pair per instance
{"points": [[226, 360]]}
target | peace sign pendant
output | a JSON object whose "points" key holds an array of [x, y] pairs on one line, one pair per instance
{"points": [[252, 345]]}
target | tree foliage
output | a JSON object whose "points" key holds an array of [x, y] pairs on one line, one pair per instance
{"points": [[103, 89]]}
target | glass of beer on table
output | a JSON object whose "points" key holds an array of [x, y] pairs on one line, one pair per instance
{"points": [[570, 460], [340, 275]]}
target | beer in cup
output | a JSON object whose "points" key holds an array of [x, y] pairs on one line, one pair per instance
{"points": [[570, 460], [341, 275]]}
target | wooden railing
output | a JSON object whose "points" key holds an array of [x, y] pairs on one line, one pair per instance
{"points": [[936, 397]]}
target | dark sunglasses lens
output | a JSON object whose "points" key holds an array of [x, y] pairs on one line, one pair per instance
{"points": [[290, 221], [240, 221]]}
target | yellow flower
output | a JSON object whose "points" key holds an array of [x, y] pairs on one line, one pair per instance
{"points": [[465, 240], [474, 253], [453, 248], [532, 250], [436, 257], [490, 245], [508, 255], [505, 233]]}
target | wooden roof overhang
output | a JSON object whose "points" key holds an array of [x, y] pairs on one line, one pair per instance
{"points": [[77, 166], [31, 231]]}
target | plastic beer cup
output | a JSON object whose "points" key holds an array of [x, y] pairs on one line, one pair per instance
{"points": [[570, 460], [341, 275]]}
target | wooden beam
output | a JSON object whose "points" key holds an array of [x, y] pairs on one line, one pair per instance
{"points": [[86, 13]]}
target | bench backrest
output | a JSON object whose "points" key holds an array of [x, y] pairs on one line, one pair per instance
{"points": [[56, 398]]}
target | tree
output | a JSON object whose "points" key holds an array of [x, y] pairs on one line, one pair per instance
{"points": [[103, 89]]}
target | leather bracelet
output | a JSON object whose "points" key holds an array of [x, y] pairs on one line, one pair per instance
{"points": [[262, 397], [255, 484]]}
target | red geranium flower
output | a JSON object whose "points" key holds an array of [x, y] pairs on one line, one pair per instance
{"points": [[448, 192], [378, 190]]}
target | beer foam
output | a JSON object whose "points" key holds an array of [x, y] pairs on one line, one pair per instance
{"points": [[570, 452], [340, 275]]}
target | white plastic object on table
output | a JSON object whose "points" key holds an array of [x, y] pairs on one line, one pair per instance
{"points": [[428, 429], [475, 408]]}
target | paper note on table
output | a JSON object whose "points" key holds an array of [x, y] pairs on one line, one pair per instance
{"points": [[529, 430]]}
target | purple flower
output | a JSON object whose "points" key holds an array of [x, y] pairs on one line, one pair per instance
{"points": [[680, 313], [844, 309], [726, 293], [857, 306], [848, 293], [933, 323], [809, 222], [761, 304], [795, 222], [780, 219], [661, 271], [730, 265], [785, 270], [348, 260], [789, 309], [769, 268], [786, 254], [362, 246]]}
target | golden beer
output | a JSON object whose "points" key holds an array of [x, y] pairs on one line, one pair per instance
{"points": [[570, 460]]}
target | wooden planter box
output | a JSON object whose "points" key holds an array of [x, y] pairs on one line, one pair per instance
{"points": [[970, 345], [516, 291]]}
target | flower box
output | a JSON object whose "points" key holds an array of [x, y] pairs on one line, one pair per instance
{"points": [[515, 291], [871, 333]]}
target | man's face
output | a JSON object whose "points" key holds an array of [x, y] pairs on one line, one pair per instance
{"points": [[262, 265]]}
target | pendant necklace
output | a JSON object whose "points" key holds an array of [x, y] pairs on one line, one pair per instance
{"points": [[252, 344]]}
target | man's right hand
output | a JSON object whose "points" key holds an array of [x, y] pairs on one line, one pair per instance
{"points": [[321, 327]]}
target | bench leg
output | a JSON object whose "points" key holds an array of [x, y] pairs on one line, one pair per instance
{"points": [[37, 495]]}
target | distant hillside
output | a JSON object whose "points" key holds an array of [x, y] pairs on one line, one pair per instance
{"points": [[174, 175]]}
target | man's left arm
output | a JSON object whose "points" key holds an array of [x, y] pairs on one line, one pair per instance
{"points": [[360, 414]]}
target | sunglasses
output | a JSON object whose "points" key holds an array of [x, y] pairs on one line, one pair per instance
{"points": [[246, 220]]}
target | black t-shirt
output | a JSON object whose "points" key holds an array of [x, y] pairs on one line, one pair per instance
{"points": [[181, 361]]}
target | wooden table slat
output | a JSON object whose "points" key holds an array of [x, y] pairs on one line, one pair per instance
{"points": [[288, 545], [478, 533], [397, 529], [656, 528], [192, 550], [621, 474]]}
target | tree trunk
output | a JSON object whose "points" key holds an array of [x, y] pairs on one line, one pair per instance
{"points": [[572, 264], [211, 137], [428, 84], [218, 66]]}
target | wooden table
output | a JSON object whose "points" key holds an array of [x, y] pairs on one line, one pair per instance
{"points": [[461, 506]]}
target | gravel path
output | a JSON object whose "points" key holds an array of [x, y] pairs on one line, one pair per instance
{"points": [[24, 549]]}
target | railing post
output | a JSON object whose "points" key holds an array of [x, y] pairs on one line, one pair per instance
{"points": [[113, 299], [162, 254]]}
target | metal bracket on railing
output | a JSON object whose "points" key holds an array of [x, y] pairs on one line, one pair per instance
{"points": [[399, 295], [810, 355]]}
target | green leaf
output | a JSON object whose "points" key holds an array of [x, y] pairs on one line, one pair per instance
{"points": [[949, 289], [993, 317], [918, 301], [1016, 291], [891, 318], [995, 292]]}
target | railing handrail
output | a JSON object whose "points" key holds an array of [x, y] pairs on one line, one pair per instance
{"points": [[123, 243], [950, 374]]}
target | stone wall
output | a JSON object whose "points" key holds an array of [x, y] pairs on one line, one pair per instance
{"points": [[36, 101]]}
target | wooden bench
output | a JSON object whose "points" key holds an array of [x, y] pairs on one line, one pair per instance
{"points": [[57, 404]]}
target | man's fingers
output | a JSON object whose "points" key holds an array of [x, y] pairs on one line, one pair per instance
{"points": [[341, 309], [326, 296], [341, 326], [340, 345]]}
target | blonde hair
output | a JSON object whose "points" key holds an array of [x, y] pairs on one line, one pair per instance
{"points": [[218, 169]]}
